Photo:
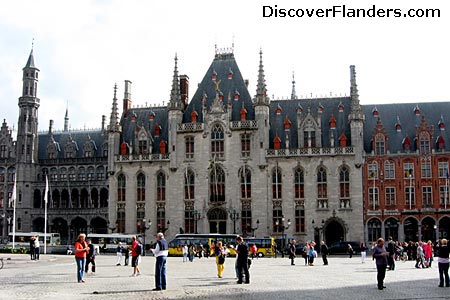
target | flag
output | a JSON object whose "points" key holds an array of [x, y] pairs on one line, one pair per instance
{"points": [[407, 173], [46, 190], [446, 174], [372, 175], [12, 200], [211, 164]]}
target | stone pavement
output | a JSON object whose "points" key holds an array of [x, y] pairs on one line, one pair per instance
{"points": [[54, 277]]}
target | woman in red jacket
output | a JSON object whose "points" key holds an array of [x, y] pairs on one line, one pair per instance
{"points": [[81, 249]]}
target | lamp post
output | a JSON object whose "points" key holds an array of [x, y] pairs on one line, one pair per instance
{"points": [[3, 229], [196, 214], [163, 228], [146, 226], [234, 216], [319, 230], [255, 228], [281, 226]]}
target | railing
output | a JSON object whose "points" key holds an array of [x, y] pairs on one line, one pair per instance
{"points": [[245, 124], [310, 151], [190, 127], [322, 203], [345, 204], [77, 160], [141, 157]]}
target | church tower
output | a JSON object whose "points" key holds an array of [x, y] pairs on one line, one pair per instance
{"points": [[175, 108], [27, 141], [356, 119]]}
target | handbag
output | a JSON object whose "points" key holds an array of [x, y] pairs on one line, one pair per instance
{"points": [[221, 259]]}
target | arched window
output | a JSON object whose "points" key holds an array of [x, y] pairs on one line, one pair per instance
{"points": [[389, 170], [217, 184], [322, 184], [372, 170], [121, 186], [246, 183], [276, 183], [189, 185], [160, 187], [81, 174], [380, 147], [217, 141], [140, 188], [374, 229], [299, 184], [90, 173], [344, 187]]}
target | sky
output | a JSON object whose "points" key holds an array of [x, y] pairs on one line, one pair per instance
{"points": [[83, 48]]}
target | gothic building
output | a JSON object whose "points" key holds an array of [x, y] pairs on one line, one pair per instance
{"points": [[223, 161]]}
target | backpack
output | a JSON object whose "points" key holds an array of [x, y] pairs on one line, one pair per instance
{"points": [[139, 249]]}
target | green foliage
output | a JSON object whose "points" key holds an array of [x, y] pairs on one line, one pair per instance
{"points": [[9, 249]]}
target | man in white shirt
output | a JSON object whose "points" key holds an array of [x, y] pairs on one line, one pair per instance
{"points": [[161, 251]]}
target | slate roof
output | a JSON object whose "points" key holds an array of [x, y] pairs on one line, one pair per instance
{"points": [[30, 62], [80, 137], [388, 114], [221, 64], [289, 109], [142, 115]]}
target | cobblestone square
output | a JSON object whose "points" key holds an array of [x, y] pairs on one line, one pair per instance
{"points": [[54, 277]]}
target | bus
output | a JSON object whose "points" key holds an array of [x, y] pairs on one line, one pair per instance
{"points": [[22, 239], [209, 239], [264, 245], [108, 242]]}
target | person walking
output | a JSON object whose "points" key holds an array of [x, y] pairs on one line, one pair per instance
{"points": [[119, 251], [221, 253], [161, 251], [135, 253], [443, 263], [81, 250], [363, 252], [90, 257], [126, 249], [37, 248], [242, 260], [350, 250], [419, 256], [312, 254], [380, 256], [185, 251], [324, 252], [292, 252], [32, 252], [391, 250]]}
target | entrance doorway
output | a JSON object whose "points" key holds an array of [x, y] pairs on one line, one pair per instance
{"points": [[334, 232], [217, 220]]}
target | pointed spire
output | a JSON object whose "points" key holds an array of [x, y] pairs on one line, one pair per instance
{"points": [[114, 118], [66, 119], [356, 107], [261, 90], [175, 94], [293, 94], [30, 61]]}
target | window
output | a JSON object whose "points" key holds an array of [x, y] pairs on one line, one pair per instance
{"points": [[246, 183], [443, 169], [161, 219], [410, 196], [372, 170], [374, 229], [389, 170], [309, 138], [142, 147], [408, 170], [321, 183], [189, 221], [81, 174], [217, 184], [189, 142], [443, 195], [373, 198], [3, 151], [63, 173], [72, 175], [277, 220], [300, 220], [100, 173], [90, 173], [426, 169], [121, 185], [299, 184], [246, 219], [424, 139], [344, 183], [121, 220], [140, 188], [390, 196], [245, 145], [379, 144], [427, 199], [189, 185], [160, 187], [217, 141], [276, 183]]}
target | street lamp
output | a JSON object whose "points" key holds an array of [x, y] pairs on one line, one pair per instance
{"points": [[196, 214], [255, 228], [145, 228], [281, 226], [234, 216], [163, 229], [319, 229]]}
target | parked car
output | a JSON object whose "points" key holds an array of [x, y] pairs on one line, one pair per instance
{"points": [[342, 247]]}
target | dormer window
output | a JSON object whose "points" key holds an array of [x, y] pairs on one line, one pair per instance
{"points": [[380, 144], [441, 124], [320, 109], [417, 110], [243, 114], [157, 130], [220, 96], [299, 109], [424, 141], [332, 122], [230, 74], [343, 140], [123, 148], [151, 117], [278, 111], [133, 117], [341, 107], [277, 142], [236, 95], [406, 144], [287, 124], [162, 147], [440, 143], [214, 75], [194, 115], [375, 112]]}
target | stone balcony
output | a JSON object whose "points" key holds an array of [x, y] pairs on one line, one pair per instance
{"points": [[142, 157], [310, 152]]}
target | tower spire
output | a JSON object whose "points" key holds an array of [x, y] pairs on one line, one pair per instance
{"points": [[356, 107], [293, 94], [175, 95], [261, 90], [66, 119], [114, 118]]}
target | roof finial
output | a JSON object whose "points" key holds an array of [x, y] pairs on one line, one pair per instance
{"points": [[261, 90], [175, 94], [293, 94], [32, 44], [232, 44]]}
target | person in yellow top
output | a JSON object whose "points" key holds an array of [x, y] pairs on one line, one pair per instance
{"points": [[221, 253]]}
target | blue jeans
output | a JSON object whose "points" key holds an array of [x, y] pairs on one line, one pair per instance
{"points": [[80, 267], [160, 272]]}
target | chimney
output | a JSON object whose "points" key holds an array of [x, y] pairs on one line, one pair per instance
{"points": [[184, 89], [127, 97], [103, 122], [50, 127], [246, 83]]}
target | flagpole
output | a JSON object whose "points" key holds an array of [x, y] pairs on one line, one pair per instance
{"points": [[446, 191], [410, 191], [245, 183], [374, 203], [45, 213], [13, 200]]}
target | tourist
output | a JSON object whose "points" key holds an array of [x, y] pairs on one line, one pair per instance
{"points": [[363, 252], [135, 253], [380, 256], [81, 250], [242, 260], [221, 253], [443, 263], [292, 252], [324, 252], [119, 251], [161, 251], [90, 257]]}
